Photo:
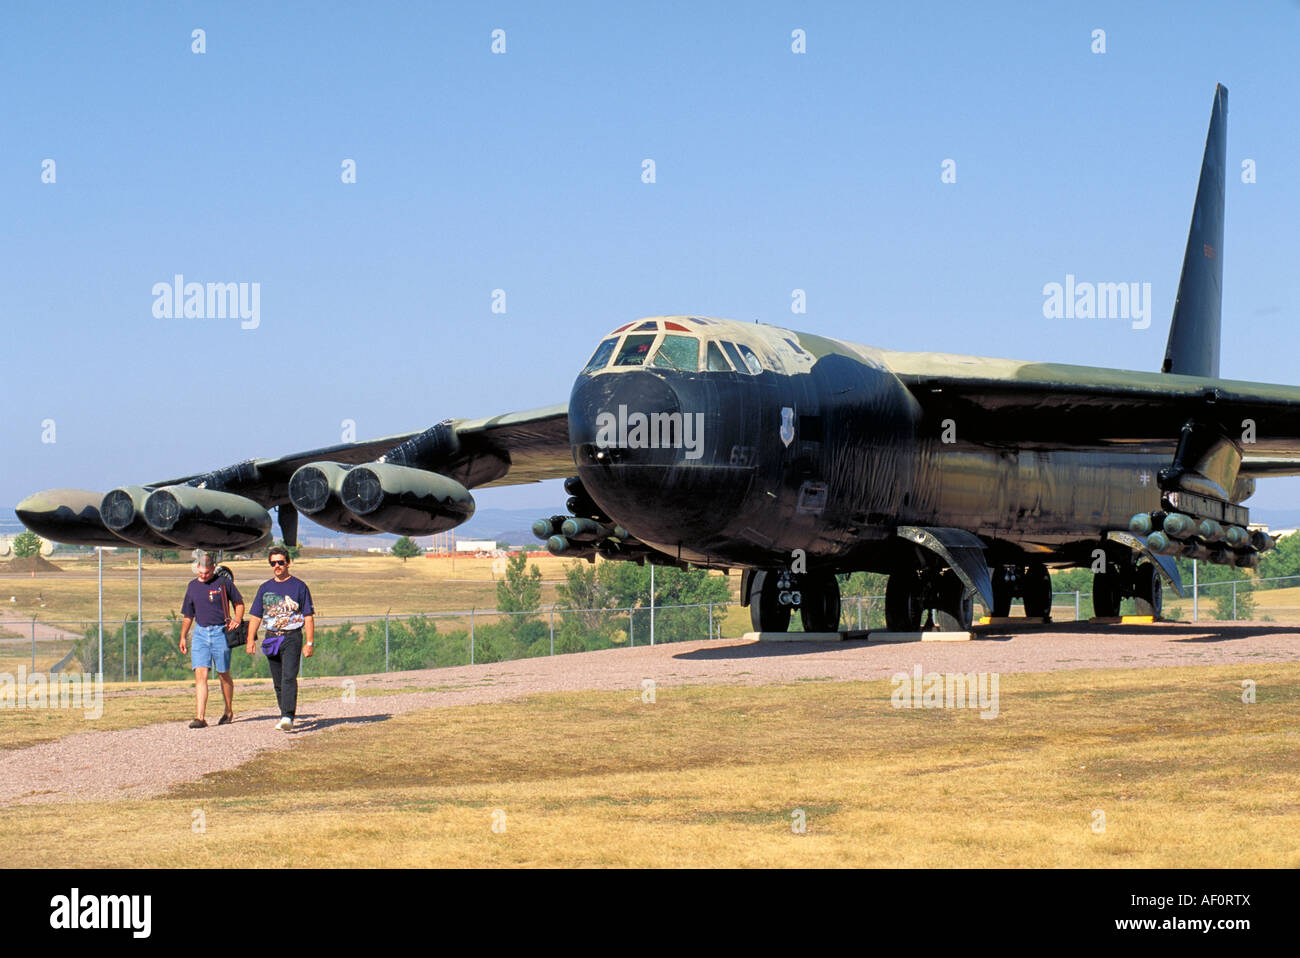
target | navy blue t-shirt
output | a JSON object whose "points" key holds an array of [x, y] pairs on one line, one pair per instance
{"points": [[203, 601], [282, 605]]}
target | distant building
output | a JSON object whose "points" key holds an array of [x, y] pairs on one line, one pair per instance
{"points": [[476, 545]]}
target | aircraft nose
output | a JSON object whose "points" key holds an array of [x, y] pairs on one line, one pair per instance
{"points": [[630, 417]]}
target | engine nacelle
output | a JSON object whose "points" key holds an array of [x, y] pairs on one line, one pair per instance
{"points": [[316, 490], [405, 501], [207, 519], [122, 511], [67, 515]]}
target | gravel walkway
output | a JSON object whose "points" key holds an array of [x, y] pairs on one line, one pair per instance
{"points": [[144, 762]]}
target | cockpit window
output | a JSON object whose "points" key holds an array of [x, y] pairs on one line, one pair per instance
{"points": [[751, 360], [648, 324], [678, 352], [634, 351], [601, 356], [714, 361], [734, 354]]}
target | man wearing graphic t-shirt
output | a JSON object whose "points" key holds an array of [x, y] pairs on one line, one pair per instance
{"points": [[284, 603]]}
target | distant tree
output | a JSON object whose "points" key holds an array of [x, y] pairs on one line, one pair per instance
{"points": [[520, 592], [628, 585], [521, 589], [1072, 580], [1244, 603], [1282, 561], [164, 555], [404, 548], [294, 551], [26, 544], [586, 622]]}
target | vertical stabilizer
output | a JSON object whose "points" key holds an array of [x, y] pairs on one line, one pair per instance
{"points": [[1193, 348]]}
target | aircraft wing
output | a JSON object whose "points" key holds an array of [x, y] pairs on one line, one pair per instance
{"points": [[414, 483], [1058, 406]]}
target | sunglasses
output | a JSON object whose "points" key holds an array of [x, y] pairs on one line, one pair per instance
{"points": [[279, 562]]}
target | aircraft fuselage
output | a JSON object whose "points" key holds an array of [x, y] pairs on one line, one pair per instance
{"points": [[825, 450]]}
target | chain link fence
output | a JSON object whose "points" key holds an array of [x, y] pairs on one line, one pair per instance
{"points": [[391, 642]]}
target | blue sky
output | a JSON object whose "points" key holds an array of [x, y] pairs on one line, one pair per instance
{"points": [[522, 172]]}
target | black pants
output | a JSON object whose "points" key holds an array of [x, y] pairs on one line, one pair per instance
{"points": [[284, 672]]}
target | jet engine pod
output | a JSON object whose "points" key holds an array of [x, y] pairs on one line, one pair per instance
{"points": [[316, 491], [207, 519], [122, 511], [405, 501], [67, 515]]}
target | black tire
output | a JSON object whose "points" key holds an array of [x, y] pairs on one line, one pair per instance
{"points": [[820, 610], [765, 612], [956, 610], [1038, 592], [1002, 588], [1150, 590], [1106, 595], [903, 609]]}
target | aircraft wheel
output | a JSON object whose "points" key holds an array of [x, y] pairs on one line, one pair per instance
{"points": [[766, 612], [1150, 590], [1106, 595], [821, 603], [1003, 586], [1038, 592], [903, 607], [956, 610]]}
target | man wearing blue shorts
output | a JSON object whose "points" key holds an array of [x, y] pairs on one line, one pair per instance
{"points": [[205, 608]]}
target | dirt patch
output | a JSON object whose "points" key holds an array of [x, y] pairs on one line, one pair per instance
{"points": [[28, 564]]}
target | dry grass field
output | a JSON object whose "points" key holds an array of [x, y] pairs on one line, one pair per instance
{"points": [[1184, 773]]}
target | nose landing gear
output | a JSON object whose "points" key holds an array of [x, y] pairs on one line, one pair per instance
{"points": [[775, 593]]}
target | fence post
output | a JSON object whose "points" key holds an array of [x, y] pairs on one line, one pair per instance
{"points": [[710, 620], [390, 609], [859, 613], [552, 629], [124, 649], [139, 615], [33, 643], [631, 627], [1195, 592], [1234, 600], [1076, 605], [652, 604], [471, 633], [99, 551]]}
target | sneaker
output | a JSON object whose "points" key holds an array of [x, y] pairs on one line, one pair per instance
{"points": [[285, 724], [198, 723], [226, 719]]}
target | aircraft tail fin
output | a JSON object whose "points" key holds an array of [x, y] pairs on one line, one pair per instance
{"points": [[1193, 347]]}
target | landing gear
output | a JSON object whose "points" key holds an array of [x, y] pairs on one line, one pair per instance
{"points": [[1149, 590], [1004, 590], [1107, 593], [911, 592], [904, 604], [769, 601], [821, 603], [1125, 577], [1037, 591], [775, 593]]}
